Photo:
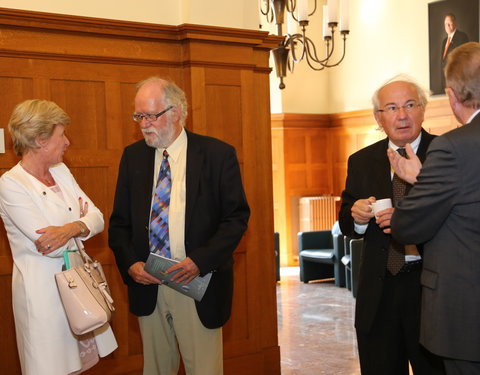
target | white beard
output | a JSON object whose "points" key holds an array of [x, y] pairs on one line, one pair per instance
{"points": [[155, 139]]}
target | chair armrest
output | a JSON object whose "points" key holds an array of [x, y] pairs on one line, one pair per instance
{"points": [[356, 248], [338, 246], [346, 260]]}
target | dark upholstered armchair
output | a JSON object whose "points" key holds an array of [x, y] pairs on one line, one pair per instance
{"points": [[356, 248], [346, 260], [276, 237], [319, 254], [338, 267], [351, 260]]}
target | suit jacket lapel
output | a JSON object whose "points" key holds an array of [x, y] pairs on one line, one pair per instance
{"points": [[145, 165], [195, 160], [423, 146], [381, 167], [422, 151], [382, 164]]}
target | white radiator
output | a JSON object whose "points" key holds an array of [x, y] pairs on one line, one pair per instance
{"points": [[317, 213]]}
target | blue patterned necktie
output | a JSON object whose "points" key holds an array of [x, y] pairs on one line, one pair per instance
{"points": [[159, 239]]}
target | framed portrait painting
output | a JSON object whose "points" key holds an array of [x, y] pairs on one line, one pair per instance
{"points": [[450, 24]]}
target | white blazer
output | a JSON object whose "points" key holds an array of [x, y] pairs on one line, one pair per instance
{"points": [[45, 342]]}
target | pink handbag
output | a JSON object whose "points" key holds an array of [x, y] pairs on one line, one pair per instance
{"points": [[84, 293]]}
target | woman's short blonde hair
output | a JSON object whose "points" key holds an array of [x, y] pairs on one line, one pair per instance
{"points": [[34, 119]]}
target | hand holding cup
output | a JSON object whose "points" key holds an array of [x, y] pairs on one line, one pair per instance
{"points": [[380, 205], [383, 210]]}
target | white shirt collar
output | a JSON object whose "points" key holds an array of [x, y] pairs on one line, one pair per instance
{"points": [[177, 146], [472, 116], [452, 34], [414, 144]]}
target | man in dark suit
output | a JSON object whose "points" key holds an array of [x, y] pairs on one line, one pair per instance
{"points": [[206, 214], [443, 211], [453, 39], [388, 304]]}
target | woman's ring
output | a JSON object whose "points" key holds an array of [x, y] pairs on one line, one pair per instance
{"points": [[48, 246]]}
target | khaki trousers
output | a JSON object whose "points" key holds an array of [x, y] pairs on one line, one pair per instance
{"points": [[174, 326]]}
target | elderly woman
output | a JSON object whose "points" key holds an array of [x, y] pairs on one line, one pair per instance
{"points": [[43, 209]]}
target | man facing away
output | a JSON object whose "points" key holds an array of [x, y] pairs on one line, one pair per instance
{"points": [[388, 301], [178, 194], [443, 211]]}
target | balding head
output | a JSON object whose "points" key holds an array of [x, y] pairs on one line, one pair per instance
{"points": [[462, 74]]}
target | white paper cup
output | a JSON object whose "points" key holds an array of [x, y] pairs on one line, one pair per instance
{"points": [[380, 205]]}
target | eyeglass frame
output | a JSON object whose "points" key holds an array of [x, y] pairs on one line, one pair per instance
{"points": [[393, 108], [149, 116]]}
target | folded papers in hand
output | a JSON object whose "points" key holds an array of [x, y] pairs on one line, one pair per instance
{"points": [[156, 265]]}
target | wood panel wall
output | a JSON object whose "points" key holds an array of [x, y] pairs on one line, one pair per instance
{"points": [[310, 154], [90, 68]]}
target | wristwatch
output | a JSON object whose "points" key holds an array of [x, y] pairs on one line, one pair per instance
{"points": [[82, 228]]}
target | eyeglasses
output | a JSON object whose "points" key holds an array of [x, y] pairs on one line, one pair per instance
{"points": [[138, 117], [393, 108]]}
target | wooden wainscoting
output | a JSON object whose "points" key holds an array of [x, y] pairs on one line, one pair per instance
{"points": [[301, 167], [310, 154], [90, 68]]}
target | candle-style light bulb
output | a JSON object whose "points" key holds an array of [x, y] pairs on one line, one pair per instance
{"points": [[344, 15], [326, 30], [302, 7], [332, 10]]}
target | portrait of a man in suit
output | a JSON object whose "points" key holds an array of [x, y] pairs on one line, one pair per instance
{"points": [[452, 40], [451, 23]]}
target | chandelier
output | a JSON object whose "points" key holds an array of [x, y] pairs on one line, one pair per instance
{"points": [[296, 45]]}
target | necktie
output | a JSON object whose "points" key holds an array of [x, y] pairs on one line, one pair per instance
{"points": [[449, 40], [159, 239], [396, 253]]}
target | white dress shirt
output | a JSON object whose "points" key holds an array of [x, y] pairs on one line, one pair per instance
{"points": [[362, 228], [177, 158]]}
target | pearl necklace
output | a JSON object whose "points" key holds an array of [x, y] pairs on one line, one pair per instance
{"points": [[49, 181]]}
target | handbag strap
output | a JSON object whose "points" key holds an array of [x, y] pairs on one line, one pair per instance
{"points": [[81, 249], [88, 264]]}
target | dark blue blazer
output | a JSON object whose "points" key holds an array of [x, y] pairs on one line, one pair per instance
{"points": [[216, 216]]}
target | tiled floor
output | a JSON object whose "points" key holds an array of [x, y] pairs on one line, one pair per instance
{"points": [[315, 327]]}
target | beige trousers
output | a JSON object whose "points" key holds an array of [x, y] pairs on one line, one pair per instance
{"points": [[174, 326]]}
